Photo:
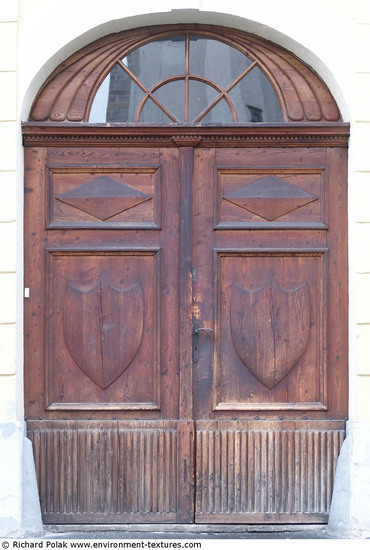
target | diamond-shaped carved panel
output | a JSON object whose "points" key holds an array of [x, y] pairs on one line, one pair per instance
{"points": [[270, 197], [103, 197]]}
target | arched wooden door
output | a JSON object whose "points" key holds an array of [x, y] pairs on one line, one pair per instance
{"points": [[185, 331]]}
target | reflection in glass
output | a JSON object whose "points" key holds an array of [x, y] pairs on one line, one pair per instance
{"points": [[157, 60], [255, 99], [220, 113], [200, 96], [152, 114], [117, 98], [216, 61], [98, 111], [172, 96], [213, 68]]}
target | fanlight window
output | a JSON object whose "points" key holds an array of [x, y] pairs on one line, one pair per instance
{"points": [[186, 79]]}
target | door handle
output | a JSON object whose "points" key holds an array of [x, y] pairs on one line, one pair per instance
{"points": [[196, 330]]}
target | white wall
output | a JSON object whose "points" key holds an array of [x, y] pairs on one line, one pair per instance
{"points": [[11, 426], [333, 36]]}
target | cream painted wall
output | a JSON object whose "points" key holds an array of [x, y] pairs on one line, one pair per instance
{"points": [[333, 36], [360, 213], [11, 426]]}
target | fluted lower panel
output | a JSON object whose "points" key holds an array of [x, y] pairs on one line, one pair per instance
{"points": [[255, 474], [92, 471]]}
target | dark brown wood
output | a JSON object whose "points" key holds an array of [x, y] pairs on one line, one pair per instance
{"points": [[276, 135], [270, 328], [103, 327], [271, 195], [69, 91], [186, 471], [266, 472], [338, 272], [106, 471], [84, 197], [185, 283], [229, 261], [103, 197], [255, 333], [86, 274], [262, 286]]}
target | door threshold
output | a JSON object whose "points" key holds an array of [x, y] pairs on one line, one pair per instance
{"points": [[167, 529]]}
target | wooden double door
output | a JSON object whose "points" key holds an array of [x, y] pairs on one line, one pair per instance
{"points": [[185, 331]]}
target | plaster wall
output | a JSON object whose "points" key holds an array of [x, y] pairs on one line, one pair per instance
{"points": [[332, 36], [11, 426]]}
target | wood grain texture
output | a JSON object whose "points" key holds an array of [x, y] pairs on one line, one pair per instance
{"points": [[270, 197], [244, 256], [271, 338], [106, 471], [83, 135], [185, 283], [263, 322], [102, 336], [103, 328], [103, 197], [260, 471], [69, 91], [142, 467], [55, 386]]}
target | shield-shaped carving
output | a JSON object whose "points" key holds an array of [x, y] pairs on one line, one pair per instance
{"points": [[270, 328], [103, 328]]}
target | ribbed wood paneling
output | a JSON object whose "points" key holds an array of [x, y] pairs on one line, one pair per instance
{"points": [[68, 92], [262, 475], [105, 471]]}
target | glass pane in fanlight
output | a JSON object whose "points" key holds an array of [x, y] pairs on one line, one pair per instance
{"points": [[117, 99], [152, 114], [255, 99], [172, 96], [98, 111], [220, 114], [200, 96], [157, 60], [216, 61]]}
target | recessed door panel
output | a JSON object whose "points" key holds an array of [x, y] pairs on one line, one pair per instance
{"points": [[102, 345], [104, 196], [270, 350], [270, 197]]}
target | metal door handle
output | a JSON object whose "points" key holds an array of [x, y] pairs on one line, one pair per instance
{"points": [[202, 329], [196, 330]]}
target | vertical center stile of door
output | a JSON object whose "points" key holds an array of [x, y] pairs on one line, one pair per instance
{"points": [[185, 283], [186, 428]]}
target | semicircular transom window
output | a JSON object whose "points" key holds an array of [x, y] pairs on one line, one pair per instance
{"points": [[186, 79]]}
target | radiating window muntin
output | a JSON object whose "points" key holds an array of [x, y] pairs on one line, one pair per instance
{"points": [[186, 79]]}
